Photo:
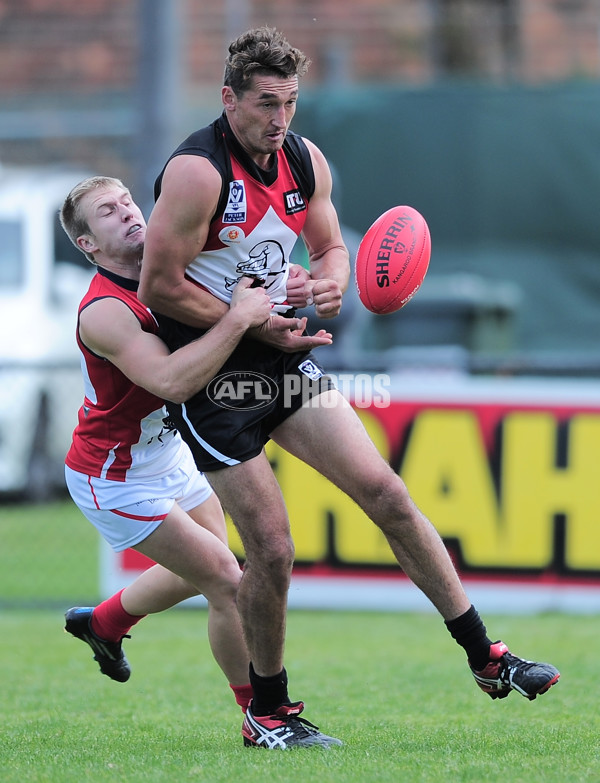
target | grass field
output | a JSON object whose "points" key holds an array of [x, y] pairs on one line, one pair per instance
{"points": [[394, 687], [48, 554]]}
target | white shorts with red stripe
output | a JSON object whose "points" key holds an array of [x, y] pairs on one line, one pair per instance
{"points": [[124, 512]]}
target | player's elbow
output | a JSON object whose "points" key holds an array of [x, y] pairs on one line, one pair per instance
{"points": [[147, 292], [151, 280], [174, 390], [180, 386], [178, 397]]}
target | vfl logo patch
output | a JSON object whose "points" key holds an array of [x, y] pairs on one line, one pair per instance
{"points": [[235, 211], [310, 370], [293, 202]]}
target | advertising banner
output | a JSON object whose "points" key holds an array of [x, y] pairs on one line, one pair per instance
{"points": [[508, 471]]}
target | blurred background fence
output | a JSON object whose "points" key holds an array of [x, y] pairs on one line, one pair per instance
{"points": [[482, 114]]}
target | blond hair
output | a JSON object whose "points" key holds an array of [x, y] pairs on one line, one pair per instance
{"points": [[71, 217]]}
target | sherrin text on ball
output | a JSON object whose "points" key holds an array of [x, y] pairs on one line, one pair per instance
{"points": [[392, 260]]}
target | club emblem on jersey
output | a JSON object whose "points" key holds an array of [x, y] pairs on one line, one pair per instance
{"points": [[266, 261], [293, 202], [235, 211]]}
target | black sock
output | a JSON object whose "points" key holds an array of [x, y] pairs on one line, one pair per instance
{"points": [[469, 631], [268, 692]]}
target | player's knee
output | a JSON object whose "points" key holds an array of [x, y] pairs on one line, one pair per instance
{"points": [[387, 500], [274, 555], [230, 570], [225, 581], [279, 555]]}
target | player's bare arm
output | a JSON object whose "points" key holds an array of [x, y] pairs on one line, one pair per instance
{"points": [[328, 256], [177, 231], [110, 329]]}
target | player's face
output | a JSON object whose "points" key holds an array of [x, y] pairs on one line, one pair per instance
{"points": [[260, 116], [117, 226]]}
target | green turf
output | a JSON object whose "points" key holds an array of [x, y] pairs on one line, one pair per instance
{"points": [[393, 687], [48, 554]]}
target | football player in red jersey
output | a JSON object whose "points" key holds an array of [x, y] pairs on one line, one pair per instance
{"points": [[128, 469]]}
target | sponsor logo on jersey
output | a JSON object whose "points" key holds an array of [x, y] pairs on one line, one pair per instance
{"points": [[293, 202], [235, 211], [231, 235]]}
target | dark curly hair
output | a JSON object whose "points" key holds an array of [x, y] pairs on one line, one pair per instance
{"points": [[261, 50]]}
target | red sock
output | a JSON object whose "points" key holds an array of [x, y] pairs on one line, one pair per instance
{"points": [[110, 621], [243, 695]]}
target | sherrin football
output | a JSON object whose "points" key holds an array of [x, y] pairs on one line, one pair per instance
{"points": [[392, 260]]}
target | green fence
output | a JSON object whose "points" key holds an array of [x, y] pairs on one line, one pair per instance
{"points": [[507, 178]]}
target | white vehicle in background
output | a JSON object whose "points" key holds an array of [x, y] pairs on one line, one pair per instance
{"points": [[42, 279]]}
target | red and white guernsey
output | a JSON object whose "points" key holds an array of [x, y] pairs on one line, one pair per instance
{"points": [[121, 431]]}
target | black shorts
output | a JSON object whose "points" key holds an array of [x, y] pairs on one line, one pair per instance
{"points": [[258, 387]]}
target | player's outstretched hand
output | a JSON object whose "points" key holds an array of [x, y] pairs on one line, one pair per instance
{"points": [[251, 303], [287, 334]]}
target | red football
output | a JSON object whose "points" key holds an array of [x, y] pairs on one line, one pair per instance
{"points": [[392, 260]]}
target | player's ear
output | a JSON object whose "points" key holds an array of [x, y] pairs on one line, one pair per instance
{"points": [[228, 98], [84, 242]]}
